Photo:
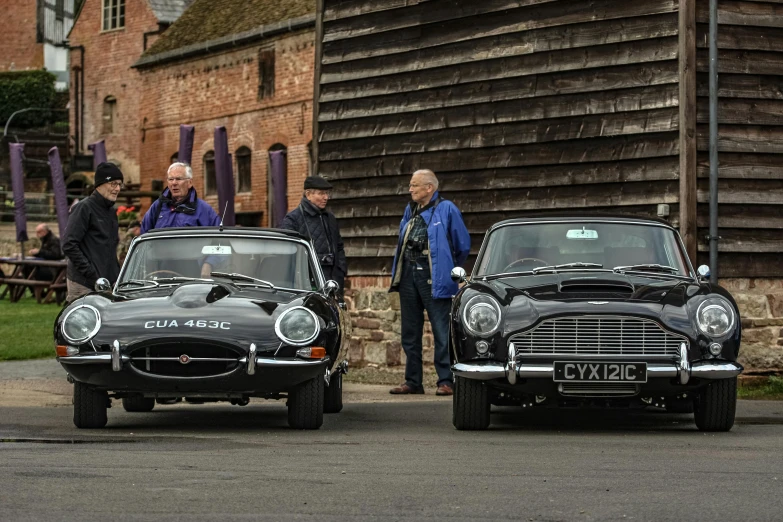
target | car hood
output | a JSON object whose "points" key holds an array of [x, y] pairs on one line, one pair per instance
{"points": [[215, 311]]}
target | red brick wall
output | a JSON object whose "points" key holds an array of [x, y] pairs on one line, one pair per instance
{"points": [[221, 89], [18, 50], [107, 61]]}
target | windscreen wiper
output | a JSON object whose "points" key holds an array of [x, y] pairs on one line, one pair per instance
{"points": [[142, 283], [243, 277], [181, 279], [555, 268], [644, 267]]}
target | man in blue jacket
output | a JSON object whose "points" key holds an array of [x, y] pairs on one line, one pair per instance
{"points": [[433, 240]]}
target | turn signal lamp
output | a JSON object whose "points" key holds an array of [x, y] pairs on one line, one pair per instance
{"points": [[312, 352], [66, 351]]}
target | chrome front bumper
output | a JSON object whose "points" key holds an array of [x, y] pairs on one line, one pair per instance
{"points": [[513, 369]]}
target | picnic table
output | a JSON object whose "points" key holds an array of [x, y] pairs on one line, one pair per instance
{"points": [[45, 290]]}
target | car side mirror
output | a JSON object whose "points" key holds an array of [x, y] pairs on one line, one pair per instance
{"points": [[102, 285], [704, 272], [458, 274], [331, 288]]}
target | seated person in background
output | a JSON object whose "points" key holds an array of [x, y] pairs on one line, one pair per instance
{"points": [[50, 251]]}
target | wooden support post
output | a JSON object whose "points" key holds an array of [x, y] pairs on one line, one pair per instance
{"points": [[687, 95], [319, 36]]}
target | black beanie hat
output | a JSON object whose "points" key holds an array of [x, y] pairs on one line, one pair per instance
{"points": [[317, 182], [107, 172]]}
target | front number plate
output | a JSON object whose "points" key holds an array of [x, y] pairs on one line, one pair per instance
{"points": [[581, 371]]}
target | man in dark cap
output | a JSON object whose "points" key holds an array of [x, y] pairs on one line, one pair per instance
{"points": [[91, 237], [312, 220]]}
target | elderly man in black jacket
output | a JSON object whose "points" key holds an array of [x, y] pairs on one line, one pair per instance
{"points": [[91, 237], [312, 220]]}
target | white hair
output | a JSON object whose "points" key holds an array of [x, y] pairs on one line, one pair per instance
{"points": [[179, 164], [429, 177]]}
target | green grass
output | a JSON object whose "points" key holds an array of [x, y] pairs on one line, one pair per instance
{"points": [[26, 329], [761, 389]]}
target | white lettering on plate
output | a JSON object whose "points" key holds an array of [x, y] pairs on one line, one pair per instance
{"points": [[198, 323]]}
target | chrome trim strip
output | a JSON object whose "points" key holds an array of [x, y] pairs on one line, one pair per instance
{"points": [[101, 358], [251, 360], [684, 365], [716, 370], [190, 359], [289, 362], [479, 371], [116, 359]]}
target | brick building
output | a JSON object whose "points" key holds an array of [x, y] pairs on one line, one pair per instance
{"points": [[108, 36], [247, 66]]}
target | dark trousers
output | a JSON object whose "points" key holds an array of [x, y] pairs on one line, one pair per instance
{"points": [[415, 298]]}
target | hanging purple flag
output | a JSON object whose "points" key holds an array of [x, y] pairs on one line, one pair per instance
{"points": [[98, 153], [279, 167], [17, 184], [223, 177], [58, 186], [185, 154]]}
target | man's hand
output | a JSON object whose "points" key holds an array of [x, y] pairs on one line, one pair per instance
{"points": [[206, 270], [34, 251]]}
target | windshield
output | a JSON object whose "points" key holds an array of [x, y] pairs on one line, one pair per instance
{"points": [[264, 261], [583, 246]]}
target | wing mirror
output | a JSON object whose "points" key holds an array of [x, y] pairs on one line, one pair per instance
{"points": [[704, 272], [102, 285], [331, 288], [458, 274]]}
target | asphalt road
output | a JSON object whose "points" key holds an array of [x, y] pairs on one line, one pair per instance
{"points": [[388, 461]]}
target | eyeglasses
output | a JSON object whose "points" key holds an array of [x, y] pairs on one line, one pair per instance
{"points": [[116, 184], [414, 185], [177, 180]]}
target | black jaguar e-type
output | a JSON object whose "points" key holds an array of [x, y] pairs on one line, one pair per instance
{"points": [[592, 311], [208, 314]]}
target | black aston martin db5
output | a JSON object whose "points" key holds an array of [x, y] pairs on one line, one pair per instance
{"points": [[208, 314], [592, 312]]}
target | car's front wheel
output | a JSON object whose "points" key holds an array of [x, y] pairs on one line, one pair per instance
{"points": [[137, 403], [471, 405], [333, 394], [306, 405], [716, 405], [89, 406]]}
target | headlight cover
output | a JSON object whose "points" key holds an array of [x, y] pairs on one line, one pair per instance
{"points": [[715, 317], [297, 326], [481, 315], [81, 324]]}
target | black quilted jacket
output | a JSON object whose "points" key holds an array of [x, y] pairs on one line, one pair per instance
{"points": [[321, 227]]}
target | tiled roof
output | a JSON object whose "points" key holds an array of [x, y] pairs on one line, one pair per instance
{"points": [[207, 20], [167, 11]]}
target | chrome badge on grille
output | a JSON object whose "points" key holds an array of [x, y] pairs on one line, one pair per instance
{"points": [[184, 359]]}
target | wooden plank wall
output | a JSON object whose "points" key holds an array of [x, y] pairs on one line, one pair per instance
{"points": [[519, 106], [750, 116]]}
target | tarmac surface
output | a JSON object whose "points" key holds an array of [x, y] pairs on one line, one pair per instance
{"points": [[383, 457]]}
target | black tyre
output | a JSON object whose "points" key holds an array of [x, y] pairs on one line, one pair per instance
{"points": [[89, 407], [716, 405], [306, 405], [333, 394], [471, 405], [138, 403]]}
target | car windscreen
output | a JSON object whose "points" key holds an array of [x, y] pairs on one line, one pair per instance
{"points": [[283, 263], [524, 247]]}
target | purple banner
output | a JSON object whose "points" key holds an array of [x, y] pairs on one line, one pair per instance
{"points": [[185, 154], [224, 177], [58, 186], [98, 153], [279, 164], [17, 183]]}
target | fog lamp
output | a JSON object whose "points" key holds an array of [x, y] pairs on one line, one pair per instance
{"points": [[715, 349], [482, 347]]}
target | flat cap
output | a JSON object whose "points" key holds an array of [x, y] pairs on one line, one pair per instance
{"points": [[317, 182]]}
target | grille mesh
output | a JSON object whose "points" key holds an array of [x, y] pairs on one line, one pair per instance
{"points": [[597, 335]]}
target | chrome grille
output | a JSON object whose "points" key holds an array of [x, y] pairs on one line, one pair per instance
{"points": [[588, 389], [204, 359], [598, 336]]}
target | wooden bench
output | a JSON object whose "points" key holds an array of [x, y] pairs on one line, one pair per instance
{"points": [[45, 290]]}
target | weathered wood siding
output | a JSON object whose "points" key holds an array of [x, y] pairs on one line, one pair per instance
{"points": [[519, 106], [750, 137]]}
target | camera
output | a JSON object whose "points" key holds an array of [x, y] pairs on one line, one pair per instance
{"points": [[418, 244], [326, 260]]}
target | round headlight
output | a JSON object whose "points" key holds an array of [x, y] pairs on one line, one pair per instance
{"points": [[481, 316], [81, 324], [715, 317], [297, 326]]}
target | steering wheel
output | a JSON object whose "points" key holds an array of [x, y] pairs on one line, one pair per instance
{"points": [[171, 272], [524, 260]]}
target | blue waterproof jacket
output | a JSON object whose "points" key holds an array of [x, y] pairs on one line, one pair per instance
{"points": [[449, 245], [193, 212]]}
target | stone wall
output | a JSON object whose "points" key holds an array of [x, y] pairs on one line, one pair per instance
{"points": [[375, 316]]}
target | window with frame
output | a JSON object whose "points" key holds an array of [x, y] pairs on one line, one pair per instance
{"points": [[113, 14], [210, 179], [109, 114], [266, 73], [243, 156]]}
